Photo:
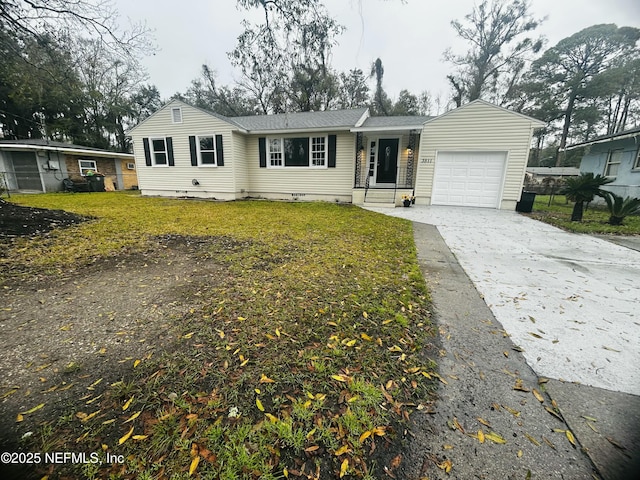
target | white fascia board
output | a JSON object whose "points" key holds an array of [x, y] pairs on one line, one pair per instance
{"points": [[388, 129], [602, 140]]}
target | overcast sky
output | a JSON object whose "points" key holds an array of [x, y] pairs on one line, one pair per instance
{"points": [[409, 37]]}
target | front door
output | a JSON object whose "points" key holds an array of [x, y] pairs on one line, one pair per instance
{"points": [[25, 166], [386, 170]]}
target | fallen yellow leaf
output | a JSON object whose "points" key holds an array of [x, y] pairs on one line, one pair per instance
{"points": [[127, 404], [532, 440], [133, 417], [34, 409], [140, 437], [344, 467], [265, 379], [480, 436], [271, 418], [259, 404], [125, 437], [570, 437], [495, 438], [536, 394], [342, 450], [194, 464], [365, 435], [312, 448]]}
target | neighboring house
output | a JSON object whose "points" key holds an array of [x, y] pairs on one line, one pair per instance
{"points": [[616, 156], [472, 156], [41, 165]]}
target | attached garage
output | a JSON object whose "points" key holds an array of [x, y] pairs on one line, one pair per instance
{"points": [[474, 156], [471, 179]]}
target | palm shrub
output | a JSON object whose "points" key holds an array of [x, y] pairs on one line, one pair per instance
{"points": [[620, 207], [584, 188]]}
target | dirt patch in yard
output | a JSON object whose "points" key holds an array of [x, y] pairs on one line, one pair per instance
{"points": [[63, 334], [19, 221]]}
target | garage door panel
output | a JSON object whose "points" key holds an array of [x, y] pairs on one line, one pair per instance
{"points": [[469, 179]]}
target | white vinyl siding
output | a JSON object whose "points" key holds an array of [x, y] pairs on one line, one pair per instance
{"points": [[178, 180], [312, 182], [477, 127]]}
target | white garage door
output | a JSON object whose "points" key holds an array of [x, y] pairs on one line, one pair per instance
{"points": [[471, 179]]}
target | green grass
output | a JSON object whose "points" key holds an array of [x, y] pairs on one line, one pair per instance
{"points": [[595, 217], [307, 352]]}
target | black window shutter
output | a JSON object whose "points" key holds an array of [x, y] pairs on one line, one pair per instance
{"points": [[332, 152], [194, 152], [170, 151], [147, 152], [262, 146], [219, 151]]}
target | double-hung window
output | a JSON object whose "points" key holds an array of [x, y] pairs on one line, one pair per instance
{"points": [[319, 151], [159, 151], [275, 152], [206, 150], [636, 165], [613, 163]]}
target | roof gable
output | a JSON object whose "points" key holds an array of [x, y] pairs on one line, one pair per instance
{"points": [[179, 103], [479, 102]]}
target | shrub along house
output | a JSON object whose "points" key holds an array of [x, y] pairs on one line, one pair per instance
{"points": [[38, 165], [616, 156], [472, 156]]}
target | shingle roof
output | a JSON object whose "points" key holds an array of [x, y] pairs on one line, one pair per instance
{"points": [[401, 121], [301, 120]]}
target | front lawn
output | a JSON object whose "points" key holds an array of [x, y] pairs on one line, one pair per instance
{"points": [[303, 359], [595, 219]]}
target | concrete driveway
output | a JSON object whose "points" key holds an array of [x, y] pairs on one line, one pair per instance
{"points": [[570, 301]]}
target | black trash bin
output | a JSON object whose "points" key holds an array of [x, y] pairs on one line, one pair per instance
{"points": [[96, 183], [525, 205]]}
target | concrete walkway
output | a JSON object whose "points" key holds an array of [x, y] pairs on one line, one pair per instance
{"points": [[567, 301]]}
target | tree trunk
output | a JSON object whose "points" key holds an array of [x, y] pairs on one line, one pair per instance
{"points": [[567, 123], [578, 210]]}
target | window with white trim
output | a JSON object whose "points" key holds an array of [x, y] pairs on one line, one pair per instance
{"points": [[275, 152], [176, 115], [613, 163], [297, 152], [318, 151], [636, 165], [87, 166], [158, 150], [206, 149]]}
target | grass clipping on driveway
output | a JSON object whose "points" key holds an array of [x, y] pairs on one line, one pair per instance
{"points": [[304, 360]]}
